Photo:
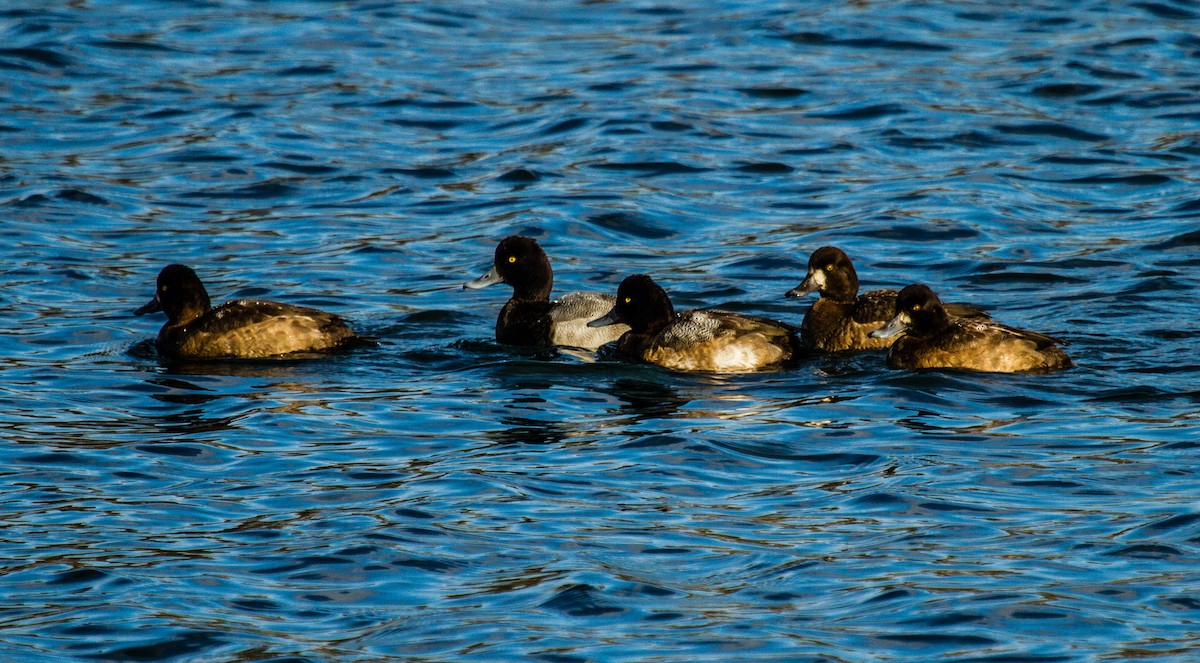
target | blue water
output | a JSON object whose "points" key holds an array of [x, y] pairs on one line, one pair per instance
{"points": [[439, 497]]}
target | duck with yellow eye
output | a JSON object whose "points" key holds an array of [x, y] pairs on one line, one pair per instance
{"points": [[530, 318], [841, 319], [934, 339], [695, 340]]}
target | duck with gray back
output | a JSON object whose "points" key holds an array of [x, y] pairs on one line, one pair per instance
{"points": [[695, 340], [530, 318]]}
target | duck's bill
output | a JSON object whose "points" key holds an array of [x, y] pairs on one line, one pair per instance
{"points": [[811, 284], [800, 290], [491, 278], [610, 318], [894, 326], [152, 306]]}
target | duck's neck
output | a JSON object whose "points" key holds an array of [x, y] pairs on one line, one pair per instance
{"points": [[534, 286], [654, 320], [932, 320], [842, 287], [187, 307], [530, 292]]}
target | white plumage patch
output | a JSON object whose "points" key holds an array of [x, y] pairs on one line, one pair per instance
{"points": [[570, 314], [817, 279]]}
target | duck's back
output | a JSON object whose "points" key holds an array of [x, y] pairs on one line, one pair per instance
{"points": [[253, 329], [980, 345], [560, 322], [712, 340], [570, 314]]}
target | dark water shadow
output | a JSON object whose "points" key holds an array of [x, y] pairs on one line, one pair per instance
{"points": [[268, 367]]}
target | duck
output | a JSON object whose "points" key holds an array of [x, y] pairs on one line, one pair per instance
{"points": [[841, 319], [706, 340], [238, 329], [929, 337], [530, 318]]}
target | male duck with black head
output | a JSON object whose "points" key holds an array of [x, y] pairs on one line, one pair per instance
{"points": [[239, 329], [841, 319], [530, 317], [694, 340], [934, 339]]}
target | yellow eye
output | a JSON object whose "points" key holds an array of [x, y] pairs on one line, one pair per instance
{"points": [[628, 300], [512, 258], [829, 268], [916, 307]]}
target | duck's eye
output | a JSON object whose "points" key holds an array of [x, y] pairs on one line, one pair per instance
{"points": [[916, 307], [829, 268], [628, 300], [512, 258]]}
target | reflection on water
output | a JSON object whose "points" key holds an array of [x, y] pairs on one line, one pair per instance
{"points": [[645, 399], [436, 496], [519, 430]]}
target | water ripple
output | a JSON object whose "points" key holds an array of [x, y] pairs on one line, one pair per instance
{"points": [[433, 495]]}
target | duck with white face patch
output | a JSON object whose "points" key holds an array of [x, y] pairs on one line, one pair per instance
{"points": [[841, 319]]}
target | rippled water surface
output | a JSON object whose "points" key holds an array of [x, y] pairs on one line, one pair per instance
{"points": [[439, 497]]}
